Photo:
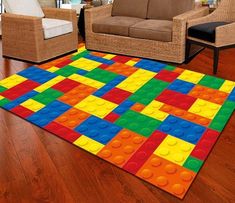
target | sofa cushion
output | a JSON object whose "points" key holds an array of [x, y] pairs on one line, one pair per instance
{"points": [[117, 25], [160, 30], [205, 31], [131, 8], [54, 27], [23, 7], [167, 9]]}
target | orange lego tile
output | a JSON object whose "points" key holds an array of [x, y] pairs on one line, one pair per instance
{"points": [[136, 59], [208, 94], [166, 175], [54, 62], [122, 69], [138, 107], [77, 94], [98, 54], [72, 118], [122, 147], [185, 115], [178, 70]]}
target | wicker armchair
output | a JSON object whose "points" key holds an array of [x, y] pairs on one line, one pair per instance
{"points": [[224, 35], [173, 51], [23, 38]]}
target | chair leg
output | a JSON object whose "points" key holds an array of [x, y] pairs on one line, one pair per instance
{"points": [[216, 60], [187, 51]]}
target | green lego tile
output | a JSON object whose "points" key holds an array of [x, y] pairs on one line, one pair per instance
{"points": [[47, 96], [4, 101], [149, 91], [2, 89], [222, 117], [193, 164], [67, 71], [101, 75], [170, 68], [138, 123], [211, 81], [80, 55]]}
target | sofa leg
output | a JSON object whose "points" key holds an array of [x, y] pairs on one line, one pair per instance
{"points": [[187, 51], [216, 60]]}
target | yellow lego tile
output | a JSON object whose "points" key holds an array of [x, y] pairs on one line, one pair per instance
{"points": [[96, 106], [205, 108], [152, 110], [52, 69], [191, 76], [109, 56], [227, 86], [88, 144], [174, 150], [32, 105], [49, 84], [81, 49], [12, 81], [86, 81], [1, 97], [136, 80], [131, 63], [85, 64]]}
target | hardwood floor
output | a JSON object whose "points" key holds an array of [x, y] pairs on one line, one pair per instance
{"points": [[36, 166]]}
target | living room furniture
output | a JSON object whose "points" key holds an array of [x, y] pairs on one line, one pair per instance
{"points": [[153, 29], [34, 34], [215, 31]]}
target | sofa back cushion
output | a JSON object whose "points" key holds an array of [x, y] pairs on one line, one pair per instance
{"points": [[23, 7], [130, 8], [167, 9]]}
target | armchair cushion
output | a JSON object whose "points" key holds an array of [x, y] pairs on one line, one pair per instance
{"points": [[205, 31], [117, 25], [130, 8], [54, 27], [167, 9], [24, 7], [160, 30]]}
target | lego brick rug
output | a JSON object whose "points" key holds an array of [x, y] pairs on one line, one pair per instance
{"points": [[153, 120]]}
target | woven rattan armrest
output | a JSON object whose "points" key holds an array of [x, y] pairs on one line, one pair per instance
{"points": [[62, 14], [225, 35], [180, 22]]}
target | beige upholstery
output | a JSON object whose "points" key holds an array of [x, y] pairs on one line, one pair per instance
{"points": [[160, 30], [131, 8], [167, 9], [117, 25]]}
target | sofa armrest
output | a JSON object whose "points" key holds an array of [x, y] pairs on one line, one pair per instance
{"points": [[96, 13], [180, 23], [225, 35]]}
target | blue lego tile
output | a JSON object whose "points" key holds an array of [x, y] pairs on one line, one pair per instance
{"points": [[48, 113], [123, 107], [181, 86], [82, 72], [182, 129], [150, 65], [102, 91], [97, 129], [99, 59], [231, 97], [37, 74], [20, 100]]}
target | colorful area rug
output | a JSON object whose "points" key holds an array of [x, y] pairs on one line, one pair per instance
{"points": [[153, 120]]}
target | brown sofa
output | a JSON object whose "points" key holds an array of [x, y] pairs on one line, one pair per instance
{"points": [[153, 29]]}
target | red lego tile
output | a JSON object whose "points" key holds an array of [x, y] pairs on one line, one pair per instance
{"points": [[62, 131], [22, 111], [176, 99], [121, 59], [144, 152], [205, 144], [65, 85], [116, 95], [103, 66], [167, 76], [20, 89], [112, 117], [64, 63]]}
